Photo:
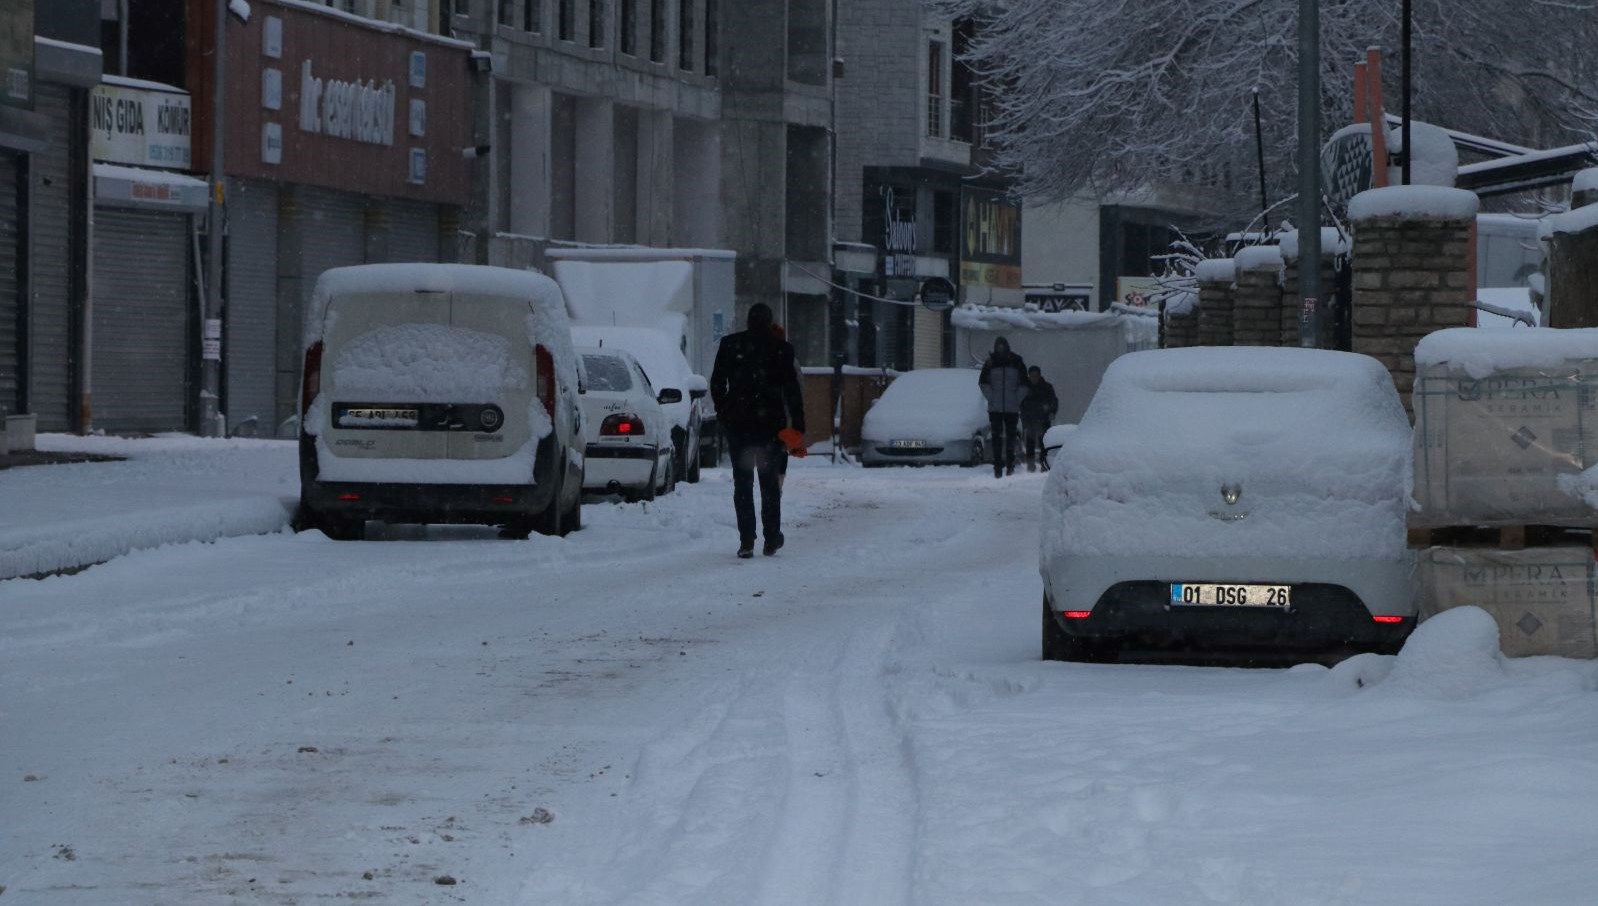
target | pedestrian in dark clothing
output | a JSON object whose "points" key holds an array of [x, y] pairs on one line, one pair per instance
{"points": [[1003, 381], [756, 389], [1037, 416]]}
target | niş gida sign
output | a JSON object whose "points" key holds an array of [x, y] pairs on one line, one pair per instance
{"points": [[360, 111]]}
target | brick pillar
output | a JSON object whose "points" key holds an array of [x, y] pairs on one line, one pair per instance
{"points": [[1572, 264], [1411, 271], [1181, 321], [1257, 308], [1217, 281], [1292, 303]]}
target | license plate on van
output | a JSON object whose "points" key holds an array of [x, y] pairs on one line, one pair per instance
{"points": [[378, 417], [907, 444], [1197, 594]]}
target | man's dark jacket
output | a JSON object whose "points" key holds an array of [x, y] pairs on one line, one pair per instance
{"points": [[755, 385]]}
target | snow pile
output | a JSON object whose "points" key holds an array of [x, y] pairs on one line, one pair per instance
{"points": [[1317, 440], [1333, 242], [1453, 655], [1585, 181], [994, 317], [1181, 303], [936, 404], [1216, 270], [1481, 353], [1580, 220], [1436, 158], [1414, 203], [427, 363], [1259, 258], [1582, 485]]}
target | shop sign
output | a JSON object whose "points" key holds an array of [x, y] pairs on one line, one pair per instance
{"points": [[16, 53], [990, 240], [1137, 292], [1061, 297], [140, 127], [899, 239], [359, 111]]}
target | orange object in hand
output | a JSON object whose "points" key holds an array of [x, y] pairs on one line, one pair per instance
{"points": [[793, 440]]}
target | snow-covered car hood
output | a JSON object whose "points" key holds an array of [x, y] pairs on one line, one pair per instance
{"points": [[937, 404], [1217, 452]]}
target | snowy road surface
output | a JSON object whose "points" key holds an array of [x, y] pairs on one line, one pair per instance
{"points": [[632, 716]]}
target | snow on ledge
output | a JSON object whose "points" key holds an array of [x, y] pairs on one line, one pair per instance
{"points": [[1580, 220], [1216, 270], [1480, 353], [1259, 258], [1585, 181], [1333, 242], [1414, 203]]}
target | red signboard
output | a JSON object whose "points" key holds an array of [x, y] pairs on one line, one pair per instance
{"points": [[321, 98]]}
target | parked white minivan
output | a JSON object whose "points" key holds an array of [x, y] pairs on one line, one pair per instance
{"points": [[439, 393]]}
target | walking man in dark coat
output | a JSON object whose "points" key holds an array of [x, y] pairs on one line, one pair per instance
{"points": [[1003, 381], [1037, 416], [755, 386]]}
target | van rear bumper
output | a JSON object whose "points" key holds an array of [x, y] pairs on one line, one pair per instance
{"points": [[437, 503]]}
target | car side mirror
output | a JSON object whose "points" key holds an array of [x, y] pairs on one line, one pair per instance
{"points": [[1054, 439], [698, 393], [698, 387], [669, 395]]}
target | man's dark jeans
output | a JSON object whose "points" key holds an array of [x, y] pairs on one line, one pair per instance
{"points": [[751, 456], [1005, 440]]}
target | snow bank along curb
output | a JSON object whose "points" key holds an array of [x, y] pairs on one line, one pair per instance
{"points": [[54, 548]]}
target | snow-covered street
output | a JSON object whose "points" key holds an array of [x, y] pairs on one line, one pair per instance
{"points": [[631, 716]]}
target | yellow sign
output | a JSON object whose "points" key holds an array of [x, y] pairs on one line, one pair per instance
{"points": [[996, 276]]}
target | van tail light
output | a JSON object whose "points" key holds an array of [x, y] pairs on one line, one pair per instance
{"points": [[621, 425], [311, 379], [1384, 619], [1078, 614], [546, 379]]}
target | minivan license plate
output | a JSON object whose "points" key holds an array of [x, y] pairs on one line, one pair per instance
{"points": [[908, 444], [1194, 594]]}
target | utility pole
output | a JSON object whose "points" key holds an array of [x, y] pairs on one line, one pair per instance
{"points": [[1309, 171], [211, 323], [1259, 152], [1409, 48]]}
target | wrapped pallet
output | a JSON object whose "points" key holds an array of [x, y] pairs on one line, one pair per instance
{"points": [[1542, 598], [1506, 423]]}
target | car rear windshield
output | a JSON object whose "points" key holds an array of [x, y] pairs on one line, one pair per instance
{"points": [[607, 374]]}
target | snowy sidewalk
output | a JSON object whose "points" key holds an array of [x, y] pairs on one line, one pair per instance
{"points": [[168, 490]]}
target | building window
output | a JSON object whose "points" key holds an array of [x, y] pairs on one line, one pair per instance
{"points": [[566, 23], [712, 39], [657, 30], [596, 23], [506, 14], [629, 27], [935, 89], [533, 15], [962, 86], [685, 35]]}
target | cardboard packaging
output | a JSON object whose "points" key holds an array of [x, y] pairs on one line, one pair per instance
{"points": [[1543, 598], [1491, 451]]}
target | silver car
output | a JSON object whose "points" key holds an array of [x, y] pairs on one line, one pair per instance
{"points": [[925, 417]]}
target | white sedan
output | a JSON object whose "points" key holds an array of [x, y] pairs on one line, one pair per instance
{"points": [[1248, 499], [627, 436], [928, 416]]}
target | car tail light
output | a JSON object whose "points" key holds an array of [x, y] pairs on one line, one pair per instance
{"points": [[351, 498], [1388, 619], [1078, 614], [546, 379], [311, 380], [621, 425], [502, 499]]}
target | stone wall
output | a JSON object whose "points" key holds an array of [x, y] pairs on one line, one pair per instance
{"points": [[1257, 308], [1411, 272], [1293, 303]]}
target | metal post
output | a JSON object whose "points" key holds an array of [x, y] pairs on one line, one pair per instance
{"points": [[1309, 171], [1259, 150], [211, 323], [1409, 47]]}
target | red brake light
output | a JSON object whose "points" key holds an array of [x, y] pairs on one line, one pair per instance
{"points": [[311, 379], [349, 497], [1388, 619], [546, 379], [1078, 614], [502, 499], [621, 424]]}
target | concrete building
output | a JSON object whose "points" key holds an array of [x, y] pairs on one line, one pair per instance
{"points": [[665, 123], [912, 202]]}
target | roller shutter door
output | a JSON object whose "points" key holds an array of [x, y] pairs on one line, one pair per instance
{"points": [[330, 231], [412, 231], [141, 356], [10, 307], [249, 350], [50, 281]]}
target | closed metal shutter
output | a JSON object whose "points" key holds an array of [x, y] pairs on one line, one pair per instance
{"points": [[10, 355], [412, 231], [329, 230], [249, 349], [50, 261], [141, 355], [929, 338]]}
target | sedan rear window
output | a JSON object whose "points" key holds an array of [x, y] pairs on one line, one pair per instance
{"points": [[607, 374]]}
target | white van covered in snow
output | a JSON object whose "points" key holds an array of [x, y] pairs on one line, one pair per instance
{"points": [[439, 393]]}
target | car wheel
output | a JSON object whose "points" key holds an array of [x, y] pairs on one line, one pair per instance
{"points": [[1058, 646], [549, 521], [573, 520], [977, 452], [691, 472]]}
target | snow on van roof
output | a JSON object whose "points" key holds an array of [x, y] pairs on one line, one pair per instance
{"points": [[428, 278]]}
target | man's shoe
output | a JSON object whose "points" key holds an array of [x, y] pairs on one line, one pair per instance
{"points": [[746, 550], [772, 546]]}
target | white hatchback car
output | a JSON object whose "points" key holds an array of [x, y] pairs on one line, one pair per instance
{"points": [[627, 437], [1244, 498], [925, 417]]}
